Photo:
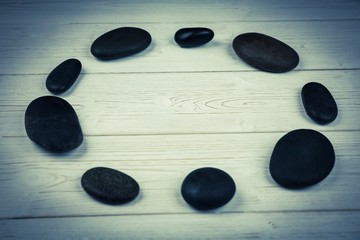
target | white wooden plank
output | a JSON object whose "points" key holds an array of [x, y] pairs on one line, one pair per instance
{"points": [[37, 48], [189, 11], [35, 183], [293, 225], [115, 104]]}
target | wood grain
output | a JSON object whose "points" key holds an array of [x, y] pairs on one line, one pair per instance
{"points": [[139, 11], [164, 112], [167, 103], [321, 45], [49, 185], [297, 225]]}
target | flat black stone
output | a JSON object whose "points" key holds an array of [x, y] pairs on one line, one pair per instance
{"points": [[52, 123], [193, 37], [265, 52], [208, 188], [318, 102], [120, 42], [109, 185], [301, 158], [63, 76]]}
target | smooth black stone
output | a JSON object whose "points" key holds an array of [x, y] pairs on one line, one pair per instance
{"points": [[109, 185], [193, 37], [208, 188], [301, 158], [120, 42], [318, 102], [265, 52], [52, 123], [63, 76]]}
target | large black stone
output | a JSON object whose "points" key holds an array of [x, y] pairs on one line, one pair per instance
{"points": [[109, 185], [318, 102], [265, 52], [63, 76], [193, 37], [120, 42], [52, 123], [301, 158], [208, 188]]}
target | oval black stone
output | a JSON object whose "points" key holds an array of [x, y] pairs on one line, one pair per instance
{"points": [[208, 188], [63, 76], [193, 37], [318, 102], [301, 158], [52, 123], [265, 52], [109, 185], [120, 42]]}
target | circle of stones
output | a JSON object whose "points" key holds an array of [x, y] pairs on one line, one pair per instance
{"points": [[114, 187]]}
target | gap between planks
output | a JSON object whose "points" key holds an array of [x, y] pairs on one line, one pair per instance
{"points": [[198, 133], [184, 213], [184, 72]]}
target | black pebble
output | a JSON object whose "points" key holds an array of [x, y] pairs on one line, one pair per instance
{"points": [[63, 76], [208, 188], [193, 37], [52, 123], [265, 52], [318, 102], [301, 158], [120, 42], [109, 185]]}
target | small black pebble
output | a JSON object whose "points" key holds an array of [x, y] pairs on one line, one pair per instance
{"points": [[120, 42], [318, 102], [63, 76], [109, 185], [301, 158], [208, 188], [265, 52], [193, 37], [52, 123]]}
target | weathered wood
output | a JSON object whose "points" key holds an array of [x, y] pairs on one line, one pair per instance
{"points": [[168, 103], [39, 48], [187, 12], [164, 112], [284, 225], [38, 184]]}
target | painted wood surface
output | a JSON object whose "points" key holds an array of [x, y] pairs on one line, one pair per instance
{"points": [[162, 113]]}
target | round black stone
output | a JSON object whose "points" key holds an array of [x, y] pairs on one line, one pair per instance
{"points": [[265, 52], [52, 123], [301, 158], [109, 185], [318, 102], [193, 37], [120, 42], [208, 188], [63, 76]]}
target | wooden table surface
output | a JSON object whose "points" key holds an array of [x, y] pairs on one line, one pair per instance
{"points": [[166, 111]]}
